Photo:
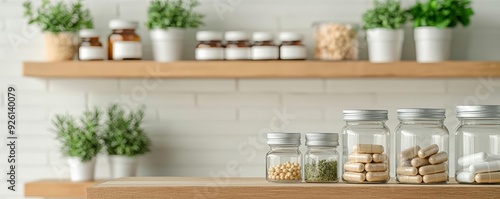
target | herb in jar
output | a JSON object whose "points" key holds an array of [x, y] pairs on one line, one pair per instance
{"points": [[324, 171]]}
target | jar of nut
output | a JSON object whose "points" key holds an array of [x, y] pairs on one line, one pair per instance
{"points": [[335, 41], [284, 160]]}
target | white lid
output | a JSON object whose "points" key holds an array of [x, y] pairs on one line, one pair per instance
{"points": [[236, 36], [291, 36], [263, 36], [115, 24], [86, 33], [209, 36]]}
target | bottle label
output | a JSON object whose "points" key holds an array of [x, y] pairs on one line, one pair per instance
{"points": [[127, 50], [265, 52], [238, 53], [90, 52], [209, 54], [293, 52]]}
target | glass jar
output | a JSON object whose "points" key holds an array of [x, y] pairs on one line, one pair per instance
{"points": [[284, 160], [237, 46], [477, 140], [263, 47], [336, 41], [123, 42], [209, 46], [291, 47], [321, 158], [90, 49], [422, 146], [366, 146]]}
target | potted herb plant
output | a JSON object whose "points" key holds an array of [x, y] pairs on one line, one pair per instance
{"points": [[60, 23], [433, 21], [167, 21], [125, 140], [384, 33], [80, 143]]}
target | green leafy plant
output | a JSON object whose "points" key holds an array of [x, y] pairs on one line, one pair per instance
{"points": [[80, 140], [59, 17], [388, 14], [164, 14], [442, 13], [123, 134]]}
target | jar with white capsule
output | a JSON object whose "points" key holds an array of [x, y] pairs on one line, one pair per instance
{"points": [[237, 46], [284, 159], [263, 47], [477, 148]]}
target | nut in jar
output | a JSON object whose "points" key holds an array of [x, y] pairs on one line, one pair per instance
{"points": [[336, 41]]}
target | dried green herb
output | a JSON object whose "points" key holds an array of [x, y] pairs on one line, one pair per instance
{"points": [[324, 171]]}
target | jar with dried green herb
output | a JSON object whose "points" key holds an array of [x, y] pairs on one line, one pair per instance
{"points": [[321, 158]]}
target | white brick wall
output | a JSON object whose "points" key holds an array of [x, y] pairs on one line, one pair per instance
{"points": [[198, 125]]}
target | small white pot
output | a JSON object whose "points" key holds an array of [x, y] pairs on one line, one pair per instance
{"points": [[81, 171], [385, 45], [432, 44], [167, 44], [123, 166]]}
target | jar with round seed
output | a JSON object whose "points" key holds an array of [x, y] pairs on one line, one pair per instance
{"points": [[284, 160]]}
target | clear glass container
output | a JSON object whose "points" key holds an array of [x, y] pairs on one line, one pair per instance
{"points": [[123, 42], [422, 146], [209, 45], [366, 141], [321, 159], [336, 41], [291, 47], [477, 140], [284, 160]]}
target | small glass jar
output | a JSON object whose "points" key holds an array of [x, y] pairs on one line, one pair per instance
{"points": [[477, 140], [123, 42], [422, 145], [336, 41], [237, 46], [366, 146], [90, 48], [209, 46], [284, 160], [291, 47], [321, 159], [263, 47]]}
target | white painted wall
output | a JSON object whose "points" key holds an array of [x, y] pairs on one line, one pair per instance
{"points": [[199, 126]]}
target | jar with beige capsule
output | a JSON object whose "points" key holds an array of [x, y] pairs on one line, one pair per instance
{"points": [[123, 42], [336, 41], [263, 47], [284, 159], [209, 46], [291, 47], [237, 46], [90, 48]]}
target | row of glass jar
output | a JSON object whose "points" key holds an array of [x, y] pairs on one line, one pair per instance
{"points": [[422, 148], [238, 47]]}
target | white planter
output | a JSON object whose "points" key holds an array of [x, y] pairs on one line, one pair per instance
{"points": [[385, 45], [81, 171], [167, 44], [123, 166], [432, 44]]}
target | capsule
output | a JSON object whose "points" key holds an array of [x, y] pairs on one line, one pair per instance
{"points": [[354, 167], [418, 162], [405, 163], [360, 158], [428, 151], [377, 176], [464, 176], [354, 177], [485, 167], [493, 177], [437, 177], [368, 148], [379, 158], [430, 169], [477, 158], [410, 179], [409, 153], [407, 171], [438, 158], [376, 167]]}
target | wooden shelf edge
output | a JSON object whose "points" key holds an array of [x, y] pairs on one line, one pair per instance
{"points": [[57, 188]]}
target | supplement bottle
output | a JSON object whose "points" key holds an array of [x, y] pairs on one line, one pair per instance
{"points": [[209, 46], [477, 148], [237, 46], [422, 146], [291, 47], [321, 159], [263, 47], [284, 160], [366, 146], [124, 43], [90, 48]]}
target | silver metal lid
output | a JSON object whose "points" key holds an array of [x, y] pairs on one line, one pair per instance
{"points": [[478, 111], [365, 115], [322, 139], [421, 113], [279, 138]]}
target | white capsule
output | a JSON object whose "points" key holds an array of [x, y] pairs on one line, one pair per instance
{"points": [[485, 167], [477, 158], [465, 176]]}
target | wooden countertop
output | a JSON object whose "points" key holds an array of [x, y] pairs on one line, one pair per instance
{"points": [[57, 188]]}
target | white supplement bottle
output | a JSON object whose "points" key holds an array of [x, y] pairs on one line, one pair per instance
{"points": [[263, 47], [237, 46], [209, 46], [291, 47]]}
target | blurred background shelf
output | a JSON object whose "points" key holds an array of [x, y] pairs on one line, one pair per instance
{"points": [[259, 69], [57, 188]]}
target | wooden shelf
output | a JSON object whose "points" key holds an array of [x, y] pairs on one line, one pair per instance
{"points": [[57, 188], [258, 69], [230, 188]]}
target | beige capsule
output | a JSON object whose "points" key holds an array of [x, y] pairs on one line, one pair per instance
{"points": [[360, 158], [437, 177], [409, 153], [418, 162], [354, 167], [438, 158], [428, 151], [492, 177], [354, 177], [430, 169], [377, 176], [379, 158], [410, 179], [405, 163], [376, 167], [368, 148], [407, 171]]}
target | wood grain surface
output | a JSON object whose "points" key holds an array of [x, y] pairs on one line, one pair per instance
{"points": [[56, 188]]}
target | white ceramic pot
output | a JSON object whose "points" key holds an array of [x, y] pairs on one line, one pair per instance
{"points": [[385, 45], [123, 166], [432, 44], [81, 171], [167, 44]]}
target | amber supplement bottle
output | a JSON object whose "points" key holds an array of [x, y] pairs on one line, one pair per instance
{"points": [[90, 48], [124, 43]]}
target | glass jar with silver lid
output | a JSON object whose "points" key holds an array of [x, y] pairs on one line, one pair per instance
{"points": [[366, 146], [422, 146], [321, 159], [477, 140], [284, 160]]}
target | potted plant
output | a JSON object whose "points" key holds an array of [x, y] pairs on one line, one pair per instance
{"points": [[60, 23], [80, 143], [125, 140], [167, 21], [433, 21], [384, 33]]}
